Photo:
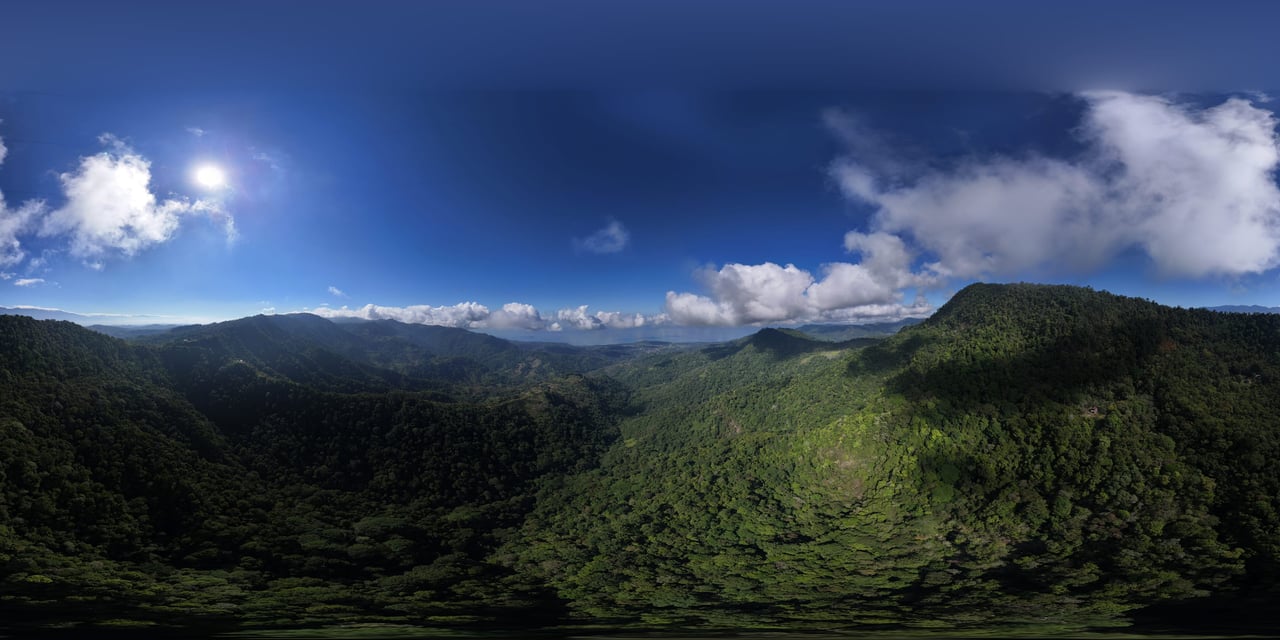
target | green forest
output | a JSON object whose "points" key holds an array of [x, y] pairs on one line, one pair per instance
{"points": [[1030, 455]]}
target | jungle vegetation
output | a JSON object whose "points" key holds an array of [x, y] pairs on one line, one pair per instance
{"points": [[1029, 454]]}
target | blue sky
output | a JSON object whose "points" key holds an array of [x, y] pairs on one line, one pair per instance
{"points": [[507, 191]]}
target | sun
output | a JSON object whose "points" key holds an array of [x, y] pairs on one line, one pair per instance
{"points": [[210, 177]]}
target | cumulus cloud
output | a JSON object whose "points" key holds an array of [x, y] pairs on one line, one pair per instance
{"points": [[28, 282], [611, 239], [581, 318], [334, 291], [513, 315], [110, 208], [1192, 188], [757, 294], [463, 315]]}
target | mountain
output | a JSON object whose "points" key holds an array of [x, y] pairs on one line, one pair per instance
{"points": [[840, 332], [1026, 449], [40, 313], [128, 332], [1245, 308], [378, 355], [134, 489], [1030, 457]]}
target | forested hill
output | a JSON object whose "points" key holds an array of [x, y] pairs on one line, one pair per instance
{"points": [[1030, 454], [375, 356], [243, 473]]}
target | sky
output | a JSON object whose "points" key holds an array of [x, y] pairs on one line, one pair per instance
{"points": [[590, 175]]}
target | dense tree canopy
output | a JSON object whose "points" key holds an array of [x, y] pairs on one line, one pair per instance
{"points": [[1028, 453]]}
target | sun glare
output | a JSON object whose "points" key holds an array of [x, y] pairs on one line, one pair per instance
{"points": [[210, 177]]}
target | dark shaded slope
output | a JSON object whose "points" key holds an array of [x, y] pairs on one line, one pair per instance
{"points": [[1209, 382], [300, 347], [103, 468], [1152, 428], [269, 500], [375, 356]]}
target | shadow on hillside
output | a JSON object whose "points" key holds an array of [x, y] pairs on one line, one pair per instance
{"points": [[947, 375], [881, 355], [967, 374], [780, 345]]}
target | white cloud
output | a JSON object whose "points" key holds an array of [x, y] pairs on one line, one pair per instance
{"points": [[196, 131], [7, 275], [580, 318], [462, 315], [513, 315], [1199, 186], [336, 292], [611, 239], [110, 208], [28, 282], [764, 293], [1000, 217], [1192, 188]]}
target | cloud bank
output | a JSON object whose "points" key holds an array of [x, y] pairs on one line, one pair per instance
{"points": [[513, 315]]}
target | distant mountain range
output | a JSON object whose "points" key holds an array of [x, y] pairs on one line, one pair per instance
{"points": [[842, 332], [92, 320], [129, 328], [1245, 308], [40, 313]]}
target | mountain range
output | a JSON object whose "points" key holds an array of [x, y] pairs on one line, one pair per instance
{"points": [[1029, 457]]}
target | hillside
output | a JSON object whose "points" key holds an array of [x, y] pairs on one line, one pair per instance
{"points": [[839, 332], [376, 356], [135, 490], [1030, 454]]}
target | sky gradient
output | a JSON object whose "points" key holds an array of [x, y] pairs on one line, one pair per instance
{"points": [[544, 204]]}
